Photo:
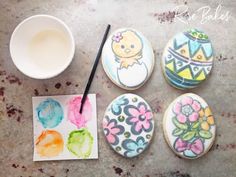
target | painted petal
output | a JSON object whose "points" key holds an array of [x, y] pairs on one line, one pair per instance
{"points": [[134, 112], [148, 115], [201, 113], [187, 100], [181, 118], [208, 112], [138, 126], [104, 123], [129, 144], [111, 124], [141, 142], [146, 124], [205, 125], [142, 109], [210, 120], [115, 131], [114, 38], [196, 106], [177, 108], [193, 117], [134, 119], [201, 119], [110, 138], [131, 153]]}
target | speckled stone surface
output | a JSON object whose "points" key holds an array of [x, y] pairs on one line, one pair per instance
{"points": [[87, 20]]}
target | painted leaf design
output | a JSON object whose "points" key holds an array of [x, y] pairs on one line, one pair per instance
{"points": [[179, 125], [195, 125], [205, 134], [188, 136], [177, 132]]}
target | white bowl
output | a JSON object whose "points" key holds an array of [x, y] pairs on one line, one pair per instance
{"points": [[42, 46]]}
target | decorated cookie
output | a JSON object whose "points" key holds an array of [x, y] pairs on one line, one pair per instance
{"points": [[187, 59], [189, 126], [128, 125], [128, 58]]}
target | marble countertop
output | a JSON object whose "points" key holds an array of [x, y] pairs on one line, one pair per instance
{"points": [[87, 19]]}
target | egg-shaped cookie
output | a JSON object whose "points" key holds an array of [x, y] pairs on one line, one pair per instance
{"points": [[187, 59], [189, 126], [128, 125], [128, 58]]}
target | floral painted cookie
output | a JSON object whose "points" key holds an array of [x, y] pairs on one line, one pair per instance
{"points": [[189, 126], [187, 59], [128, 125], [128, 58]]}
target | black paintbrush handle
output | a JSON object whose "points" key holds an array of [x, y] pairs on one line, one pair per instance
{"points": [[94, 69]]}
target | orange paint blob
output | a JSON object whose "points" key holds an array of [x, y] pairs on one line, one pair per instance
{"points": [[49, 143]]}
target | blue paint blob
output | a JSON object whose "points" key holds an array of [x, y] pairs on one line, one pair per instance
{"points": [[50, 113]]}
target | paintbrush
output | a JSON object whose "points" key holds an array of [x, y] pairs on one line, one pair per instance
{"points": [[94, 69]]}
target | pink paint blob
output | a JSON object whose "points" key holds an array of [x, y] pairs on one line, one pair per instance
{"points": [[80, 120]]}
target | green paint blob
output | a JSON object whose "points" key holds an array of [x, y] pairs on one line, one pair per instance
{"points": [[80, 143]]}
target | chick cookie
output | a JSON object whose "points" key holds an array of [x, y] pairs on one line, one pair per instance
{"points": [[128, 58], [189, 126], [187, 59], [128, 125]]}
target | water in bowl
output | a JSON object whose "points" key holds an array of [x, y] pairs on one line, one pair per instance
{"points": [[49, 49]]}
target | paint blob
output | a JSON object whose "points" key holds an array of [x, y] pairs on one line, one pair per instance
{"points": [[50, 113], [49, 143], [80, 143], [74, 116]]}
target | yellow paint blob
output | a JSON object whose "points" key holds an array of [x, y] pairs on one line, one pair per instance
{"points": [[49, 143]]}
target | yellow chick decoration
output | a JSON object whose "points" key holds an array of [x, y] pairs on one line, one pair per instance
{"points": [[128, 58], [127, 46]]}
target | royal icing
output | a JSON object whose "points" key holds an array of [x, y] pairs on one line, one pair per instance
{"points": [[187, 59], [128, 58], [189, 126], [128, 125]]}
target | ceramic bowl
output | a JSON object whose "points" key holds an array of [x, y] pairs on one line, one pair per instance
{"points": [[42, 46]]}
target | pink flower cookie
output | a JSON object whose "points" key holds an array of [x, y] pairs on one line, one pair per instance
{"points": [[189, 126], [128, 125], [187, 108]]}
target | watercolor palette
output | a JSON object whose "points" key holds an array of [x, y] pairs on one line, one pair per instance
{"points": [[61, 132]]}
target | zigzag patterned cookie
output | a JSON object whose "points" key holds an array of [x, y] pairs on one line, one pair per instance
{"points": [[187, 59]]}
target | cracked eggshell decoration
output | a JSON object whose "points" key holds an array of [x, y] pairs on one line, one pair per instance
{"points": [[189, 126], [128, 58], [128, 125], [187, 59]]}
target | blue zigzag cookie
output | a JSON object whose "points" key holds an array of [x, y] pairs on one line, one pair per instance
{"points": [[187, 59]]}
